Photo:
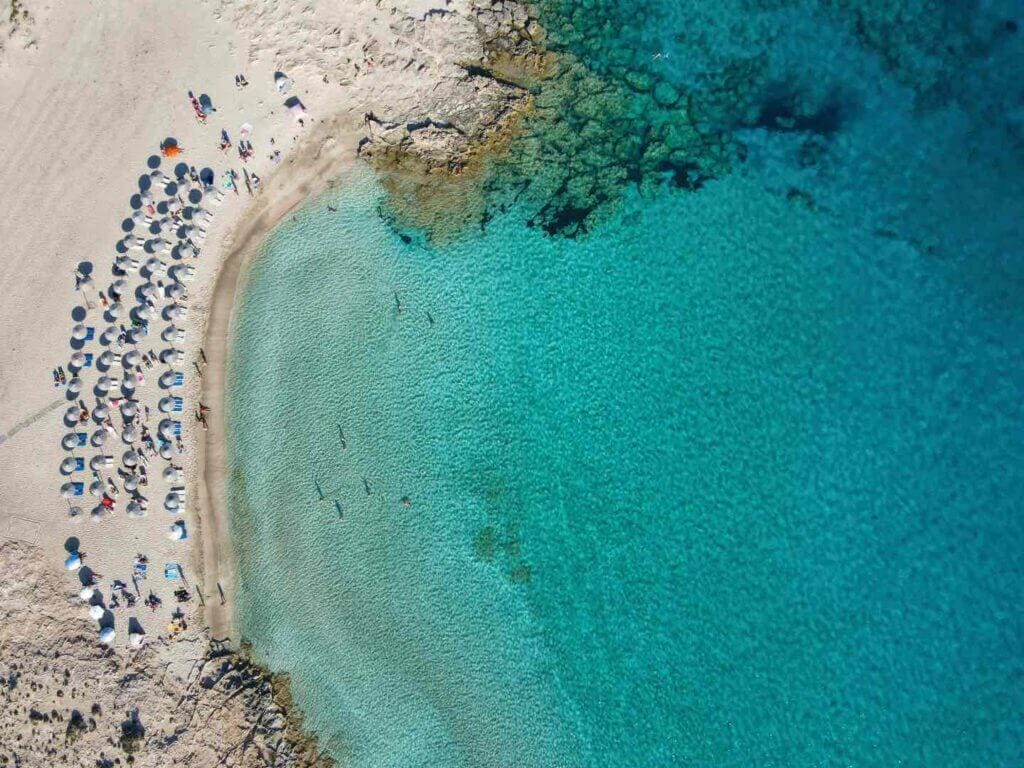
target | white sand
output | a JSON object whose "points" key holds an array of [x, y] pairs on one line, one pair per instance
{"points": [[88, 91]]}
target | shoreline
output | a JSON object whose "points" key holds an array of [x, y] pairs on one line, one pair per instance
{"points": [[316, 166]]}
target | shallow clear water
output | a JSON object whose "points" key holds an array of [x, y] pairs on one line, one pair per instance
{"points": [[732, 479]]}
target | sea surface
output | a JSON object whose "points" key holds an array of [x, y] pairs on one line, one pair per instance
{"points": [[697, 439]]}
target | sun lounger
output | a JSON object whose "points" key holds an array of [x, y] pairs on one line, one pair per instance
{"points": [[177, 429], [79, 464], [77, 489], [177, 405], [179, 380], [88, 360], [90, 334], [172, 571], [83, 439]]}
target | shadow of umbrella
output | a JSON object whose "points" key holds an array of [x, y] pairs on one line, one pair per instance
{"points": [[78, 314], [135, 202], [145, 182], [127, 225], [194, 196], [181, 170], [153, 161], [71, 544], [85, 575], [206, 177]]}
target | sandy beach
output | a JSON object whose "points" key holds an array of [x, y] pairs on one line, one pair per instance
{"points": [[94, 94]]}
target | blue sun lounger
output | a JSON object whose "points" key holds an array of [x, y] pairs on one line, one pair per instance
{"points": [[177, 405], [177, 429], [88, 360], [77, 488], [83, 439], [179, 380], [79, 464], [172, 571], [90, 334]]}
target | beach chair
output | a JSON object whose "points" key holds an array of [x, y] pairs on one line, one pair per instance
{"points": [[177, 429], [90, 334], [88, 360], [79, 464], [179, 380], [177, 405], [83, 439], [77, 489]]}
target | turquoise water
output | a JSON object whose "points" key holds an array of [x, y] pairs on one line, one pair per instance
{"points": [[709, 462]]}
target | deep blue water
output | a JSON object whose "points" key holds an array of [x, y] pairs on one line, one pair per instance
{"points": [[713, 452]]}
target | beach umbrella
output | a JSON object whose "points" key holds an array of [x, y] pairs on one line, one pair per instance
{"points": [[131, 483], [166, 404], [75, 385], [144, 312], [96, 463], [154, 266], [169, 333], [161, 245], [87, 593], [167, 378], [169, 356], [68, 465], [103, 383], [116, 309], [67, 490], [73, 561], [165, 451], [96, 612], [130, 459], [79, 332], [131, 358], [176, 291], [166, 427], [148, 290], [135, 639], [159, 177], [138, 333], [96, 488], [70, 440], [177, 310], [106, 358], [135, 509], [130, 434], [99, 437], [75, 514], [171, 503], [98, 513], [188, 250], [109, 334], [118, 287], [177, 531], [128, 384], [71, 414], [100, 412], [172, 474], [107, 635], [77, 360], [129, 409]]}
